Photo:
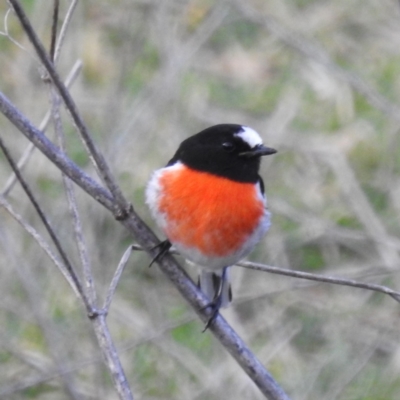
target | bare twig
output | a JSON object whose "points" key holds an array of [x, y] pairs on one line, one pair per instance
{"points": [[7, 34], [40, 241], [116, 278], [321, 278], [22, 161], [63, 30], [54, 30]]}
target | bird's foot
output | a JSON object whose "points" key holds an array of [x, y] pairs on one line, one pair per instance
{"points": [[216, 303], [163, 247], [215, 306]]}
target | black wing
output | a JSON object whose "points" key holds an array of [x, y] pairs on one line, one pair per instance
{"points": [[262, 187]]}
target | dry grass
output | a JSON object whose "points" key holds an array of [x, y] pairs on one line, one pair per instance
{"points": [[319, 81]]}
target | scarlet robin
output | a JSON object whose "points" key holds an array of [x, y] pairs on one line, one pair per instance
{"points": [[210, 203]]}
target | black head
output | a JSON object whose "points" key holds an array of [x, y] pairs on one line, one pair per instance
{"points": [[228, 150]]}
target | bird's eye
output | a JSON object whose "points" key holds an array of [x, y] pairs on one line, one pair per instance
{"points": [[228, 146]]}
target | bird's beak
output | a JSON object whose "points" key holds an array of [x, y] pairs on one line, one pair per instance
{"points": [[258, 151]]}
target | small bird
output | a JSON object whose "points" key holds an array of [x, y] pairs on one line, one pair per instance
{"points": [[210, 203]]}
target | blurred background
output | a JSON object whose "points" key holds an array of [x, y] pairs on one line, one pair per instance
{"points": [[320, 81]]}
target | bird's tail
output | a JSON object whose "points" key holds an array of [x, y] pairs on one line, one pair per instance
{"points": [[216, 283]]}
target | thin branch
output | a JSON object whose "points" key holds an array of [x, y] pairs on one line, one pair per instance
{"points": [[54, 30], [63, 29], [96, 157], [7, 34], [115, 279], [40, 241], [321, 278], [48, 227], [21, 163]]}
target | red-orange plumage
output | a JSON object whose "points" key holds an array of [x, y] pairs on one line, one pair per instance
{"points": [[211, 213]]}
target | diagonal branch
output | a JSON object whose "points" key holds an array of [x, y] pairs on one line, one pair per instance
{"points": [[54, 30]]}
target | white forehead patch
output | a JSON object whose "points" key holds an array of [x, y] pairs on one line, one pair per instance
{"points": [[250, 136]]}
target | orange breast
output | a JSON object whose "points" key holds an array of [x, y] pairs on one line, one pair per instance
{"points": [[213, 214]]}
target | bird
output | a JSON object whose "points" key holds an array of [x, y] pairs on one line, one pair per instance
{"points": [[210, 203]]}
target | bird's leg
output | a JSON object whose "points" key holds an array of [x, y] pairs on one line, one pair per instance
{"points": [[163, 247], [217, 300]]}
